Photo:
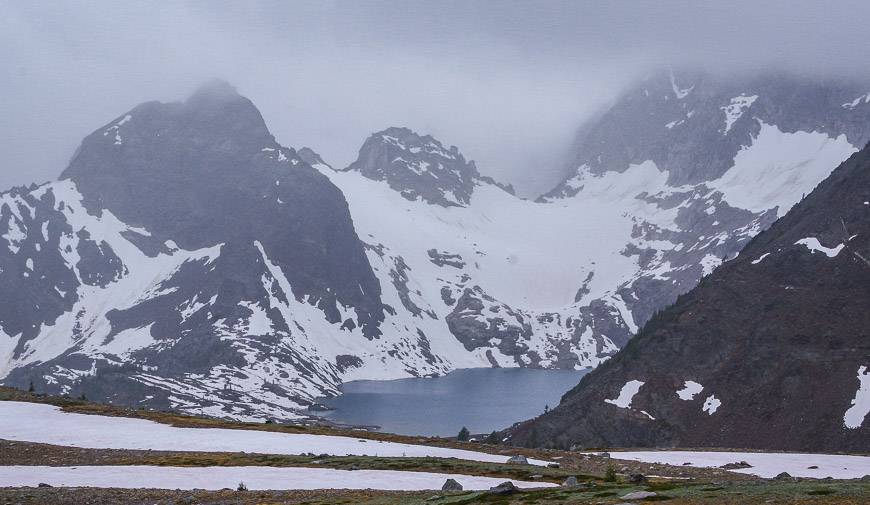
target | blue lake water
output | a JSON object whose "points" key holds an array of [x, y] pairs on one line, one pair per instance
{"points": [[482, 399]]}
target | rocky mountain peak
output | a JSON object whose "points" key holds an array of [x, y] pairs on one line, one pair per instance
{"points": [[210, 131], [207, 171], [418, 166]]}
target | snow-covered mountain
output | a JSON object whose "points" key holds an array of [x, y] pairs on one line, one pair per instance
{"points": [[461, 257], [671, 180], [186, 259], [771, 351], [696, 166]]}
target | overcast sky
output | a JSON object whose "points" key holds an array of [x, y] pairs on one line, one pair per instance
{"points": [[507, 82]]}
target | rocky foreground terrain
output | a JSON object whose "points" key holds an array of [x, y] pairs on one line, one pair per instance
{"points": [[598, 477]]}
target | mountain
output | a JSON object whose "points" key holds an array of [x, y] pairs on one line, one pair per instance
{"points": [[467, 259], [185, 259], [696, 165], [420, 167], [566, 280], [770, 351]]}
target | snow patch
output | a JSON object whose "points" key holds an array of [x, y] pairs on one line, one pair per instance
{"points": [[690, 389], [680, 92], [709, 263], [734, 110], [779, 168], [854, 417], [764, 464], [711, 405], [48, 424], [760, 258], [814, 245], [626, 394], [254, 478], [854, 103]]}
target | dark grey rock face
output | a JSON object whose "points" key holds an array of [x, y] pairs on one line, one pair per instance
{"points": [[445, 258], [36, 286], [774, 342], [572, 338], [208, 171]]}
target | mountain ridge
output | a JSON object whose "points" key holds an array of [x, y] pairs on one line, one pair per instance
{"points": [[762, 354]]}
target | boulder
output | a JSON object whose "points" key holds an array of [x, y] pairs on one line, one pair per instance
{"points": [[553, 465], [736, 466], [636, 478], [519, 459], [451, 485], [638, 495], [571, 482], [505, 488]]}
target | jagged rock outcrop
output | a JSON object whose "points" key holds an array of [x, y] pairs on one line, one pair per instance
{"points": [[419, 166]]}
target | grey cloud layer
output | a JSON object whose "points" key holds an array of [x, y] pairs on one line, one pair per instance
{"points": [[507, 82]]}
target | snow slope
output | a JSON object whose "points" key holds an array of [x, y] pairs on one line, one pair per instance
{"points": [[764, 464], [566, 280], [780, 168], [32, 422], [254, 478]]}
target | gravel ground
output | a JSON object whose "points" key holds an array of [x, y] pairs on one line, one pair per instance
{"points": [[93, 496]]}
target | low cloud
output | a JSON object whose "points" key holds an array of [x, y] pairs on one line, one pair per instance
{"points": [[506, 82]]}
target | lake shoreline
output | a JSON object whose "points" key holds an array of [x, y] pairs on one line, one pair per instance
{"points": [[481, 399]]}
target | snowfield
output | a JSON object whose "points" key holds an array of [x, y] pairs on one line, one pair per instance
{"points": [[779, 168], [254, 477], [32, 422], [764, 464]]}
